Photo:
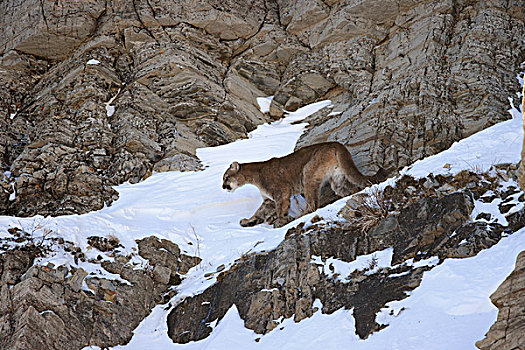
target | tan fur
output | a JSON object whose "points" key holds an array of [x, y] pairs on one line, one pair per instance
{"points": [[521, 171], [302, 172]]}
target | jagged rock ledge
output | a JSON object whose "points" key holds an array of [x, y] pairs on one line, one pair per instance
{"points": [[428, 219], [507, 333], [63, 308]]}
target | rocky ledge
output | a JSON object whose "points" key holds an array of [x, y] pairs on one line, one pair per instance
{"points": [[507, 332], [418, 222], [43, 306]]}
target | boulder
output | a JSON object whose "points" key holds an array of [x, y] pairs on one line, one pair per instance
{"points": [[507, 332], [50, 307]]}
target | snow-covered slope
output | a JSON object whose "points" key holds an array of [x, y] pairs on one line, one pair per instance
{"points": [[191, 209], [450, 310]]}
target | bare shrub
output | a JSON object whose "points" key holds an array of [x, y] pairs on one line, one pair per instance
{"points": [[37, 230], [372, 263], [365, 210]]}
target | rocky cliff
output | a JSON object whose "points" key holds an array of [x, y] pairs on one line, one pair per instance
{"points": [[422, 74], [507, 332], [57, 307], [96, 93]]}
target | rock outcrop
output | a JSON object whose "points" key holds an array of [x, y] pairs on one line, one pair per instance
{"points": [[411, 77], [521, 173], [428, 218], [98, 93], [61, 307], [507, 332]]}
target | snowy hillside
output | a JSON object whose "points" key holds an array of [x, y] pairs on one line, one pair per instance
{"points": [[450, 310]]}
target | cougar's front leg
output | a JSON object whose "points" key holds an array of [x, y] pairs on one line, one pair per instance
{"points": [[260, 215]]}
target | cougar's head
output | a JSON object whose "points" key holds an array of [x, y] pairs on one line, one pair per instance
{"points": [[231, 178]]}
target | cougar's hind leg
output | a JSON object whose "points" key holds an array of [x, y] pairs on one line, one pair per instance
{"points": [[341, 186], [312, 189], [282, 206], [313, 178]]}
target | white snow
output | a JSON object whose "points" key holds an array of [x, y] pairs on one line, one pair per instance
{"points": [[60, 258], [450, 310], [12, 115], [433, 261], [500, 143], [264, 103], [110, 110], [333, 331], [93, 62], [489, 208], [371, 263], [12, 196], [191, 208]]}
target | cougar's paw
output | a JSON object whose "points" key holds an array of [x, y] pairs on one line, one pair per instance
{"points": [[247, 223], [280, 222]]}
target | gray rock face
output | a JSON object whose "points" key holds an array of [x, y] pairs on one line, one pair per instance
{"points": [[411, 77], [285, 281], [102, 93], [507, 332], [48, 29], [407, 78], [48, 307]]}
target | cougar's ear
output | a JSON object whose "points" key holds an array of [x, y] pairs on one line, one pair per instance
{"points": [[235, 166]]}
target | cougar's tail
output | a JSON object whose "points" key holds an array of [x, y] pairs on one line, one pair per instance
{"points": [[353, 174], [381, 175]]}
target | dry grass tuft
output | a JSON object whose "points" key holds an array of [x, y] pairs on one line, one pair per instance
{"points": [[366, 210]]}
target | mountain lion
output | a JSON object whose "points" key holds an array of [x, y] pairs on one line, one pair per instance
{"points": [[302, 172]]}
